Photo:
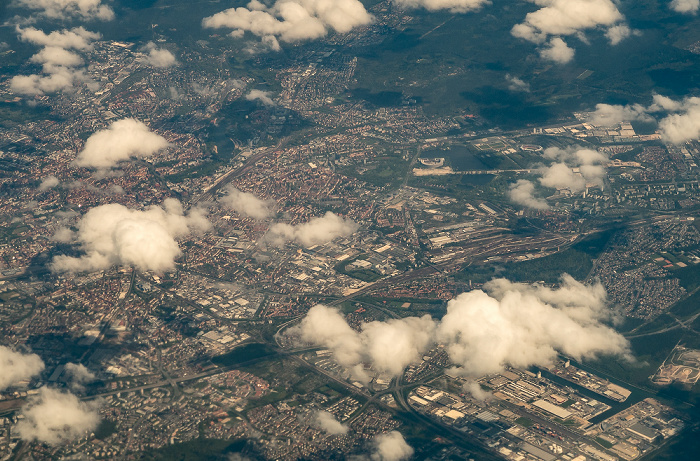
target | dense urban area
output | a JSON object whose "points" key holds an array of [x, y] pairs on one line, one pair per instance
{"points": [[203, 259]]}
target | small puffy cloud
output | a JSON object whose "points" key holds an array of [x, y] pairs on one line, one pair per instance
{"points": [[78, 374], [77, 38], [590, 163], [566, 17], [114, 234], [124, 139], [60, 79], [473, 388], [59, 65], [317, 231], [684, 126], [17, 367], [390, 346], [326, 326], [454, 6], [558, 51], [664, 103], [523, 193], [65, 215], [561, 176], [54, 417], [247, 204], [53, 56], [158, 57], [202, 90], [685, 6], [680, 125], [391, 447], [618, 33], [174, 94], [63, 235], [262, 96], [328, 423], [49, 182], [66, 9], [115, 189], [270, 41], [557, 18], [516, 84], [610, 115], [291, 20]]}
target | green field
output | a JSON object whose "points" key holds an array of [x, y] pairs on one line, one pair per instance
{"points": [[469, 75]]}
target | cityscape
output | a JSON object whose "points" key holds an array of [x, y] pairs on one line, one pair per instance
{"points": [[238, 234]]}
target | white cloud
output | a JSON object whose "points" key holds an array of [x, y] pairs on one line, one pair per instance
{"points": [[618, 33], [561, 176], [575, 155], [557, 18], [316, 231], [59, 65], [685, 6], [77, 38], [247, 204], [390, 346], [262, 96], [680, 125], [516, 84], [66, 9], [391, 447], [328, 423], [63, 235], [394, 344], [566, 17], [269, 41], [507, 324], [590, 164], [49, 182], [291, 20], [473, 388], [79, 375], [664, 103], [52, 57], [124, 139], [158, 57], [115, 189], [523, 325], [113, 234], [558, 51], [523, 193], [17, 367], [60, 79], [55, 417], [610, 115], [326, 326], [454, 6]]}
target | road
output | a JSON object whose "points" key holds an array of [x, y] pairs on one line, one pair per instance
{"points": [[107, 319], [210, 194]]}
